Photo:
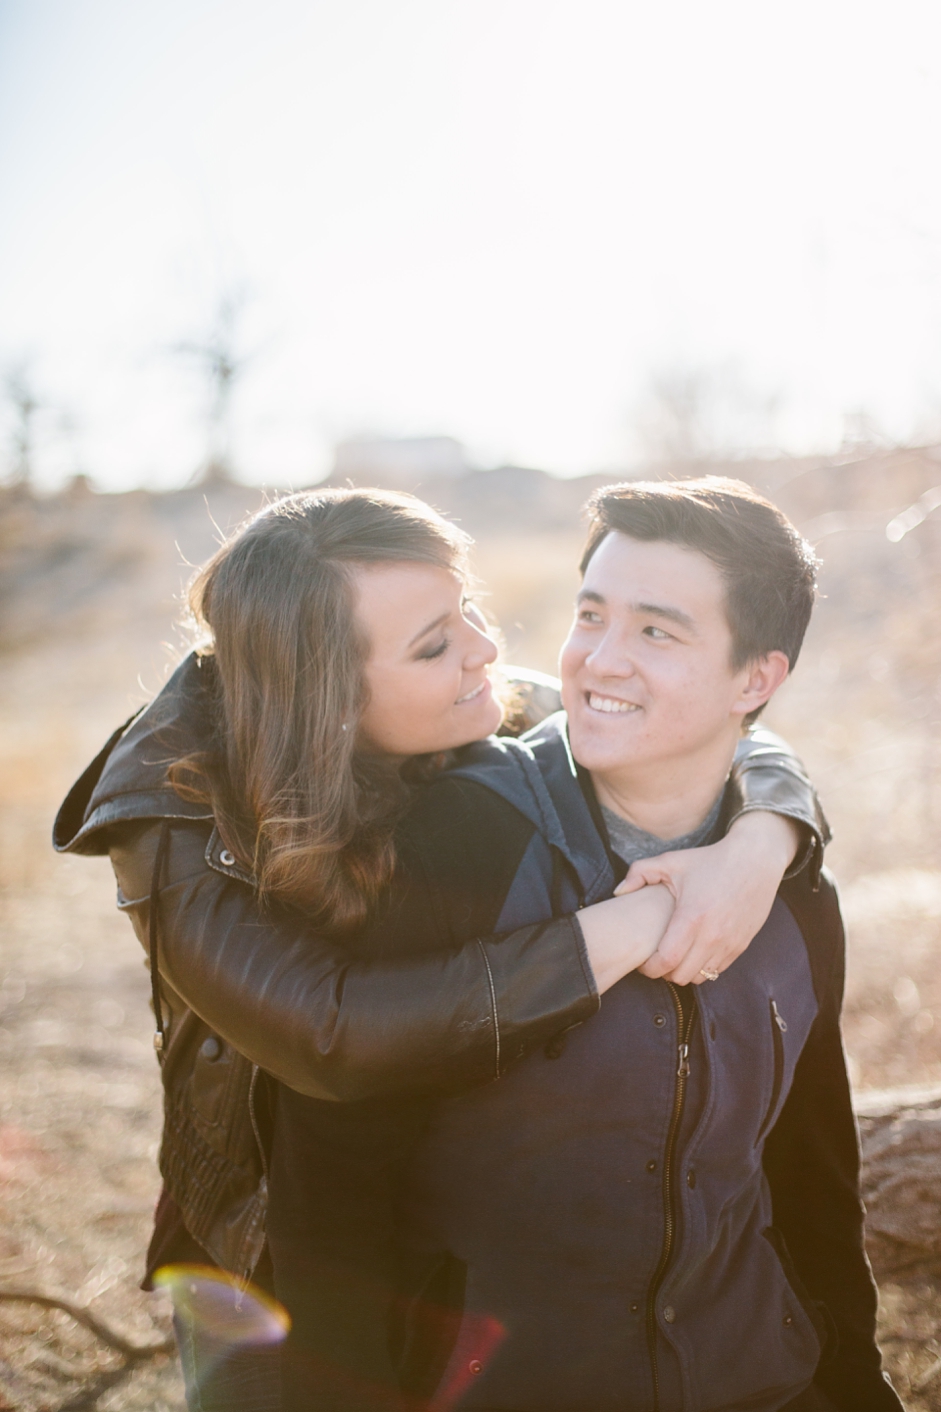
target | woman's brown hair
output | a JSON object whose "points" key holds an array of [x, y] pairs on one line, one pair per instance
{"points": [[275, 606]]}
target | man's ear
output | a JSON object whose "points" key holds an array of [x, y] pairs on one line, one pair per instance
{"points": [[761, 680]]}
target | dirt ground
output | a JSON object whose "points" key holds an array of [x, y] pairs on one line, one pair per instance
{"points": [[79, 1104]]}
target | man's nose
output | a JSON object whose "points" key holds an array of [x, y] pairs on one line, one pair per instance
{"points": [[611, 657]]}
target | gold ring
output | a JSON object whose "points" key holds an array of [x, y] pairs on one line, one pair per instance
{"points": [[709, 975]]}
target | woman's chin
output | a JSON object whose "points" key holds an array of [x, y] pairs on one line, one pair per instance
{"points": [[482, 722]]}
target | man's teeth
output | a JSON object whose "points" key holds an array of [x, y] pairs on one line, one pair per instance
{"points": [[609, 704]]}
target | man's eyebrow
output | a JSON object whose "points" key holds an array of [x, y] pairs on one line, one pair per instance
{"points": [[442, 618], [663, 610], [658, 610]]}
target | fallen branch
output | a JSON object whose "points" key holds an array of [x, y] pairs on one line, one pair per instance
{"points": [[82, 1315]]}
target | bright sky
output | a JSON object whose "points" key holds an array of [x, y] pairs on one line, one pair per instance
{"points": [[495, 219]]}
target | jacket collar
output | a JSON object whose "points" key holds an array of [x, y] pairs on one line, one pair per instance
{"points": [[127, 780]]}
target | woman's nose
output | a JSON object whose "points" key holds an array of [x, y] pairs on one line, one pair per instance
{"points": [[481, 648]]}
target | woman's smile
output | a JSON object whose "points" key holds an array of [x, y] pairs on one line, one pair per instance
{"points": [[485, 685]]}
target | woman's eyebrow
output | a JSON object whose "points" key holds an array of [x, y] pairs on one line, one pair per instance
{"points": [[442, 618]]}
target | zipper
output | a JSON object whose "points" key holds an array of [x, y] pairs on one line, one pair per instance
{"points": [[684, 1025], [778, 1031]]}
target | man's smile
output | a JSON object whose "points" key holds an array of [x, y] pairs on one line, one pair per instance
{"points": [[611, 705]]}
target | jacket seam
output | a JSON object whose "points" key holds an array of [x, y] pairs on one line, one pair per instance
{"points": [[493, 1006], [582, 950]]}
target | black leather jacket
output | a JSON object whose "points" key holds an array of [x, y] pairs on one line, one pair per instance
{"points": [[245, 990]]}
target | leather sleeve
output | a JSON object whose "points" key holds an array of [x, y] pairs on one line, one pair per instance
{"points": [[766, 774], [811, 1160], [328, 1023]]}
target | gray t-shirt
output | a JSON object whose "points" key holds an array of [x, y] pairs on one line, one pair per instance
{"points": [[631, 843]]}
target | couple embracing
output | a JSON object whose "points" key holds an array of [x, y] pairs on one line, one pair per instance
{"points": [[510, 1064]]}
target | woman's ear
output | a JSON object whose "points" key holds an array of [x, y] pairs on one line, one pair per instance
{"points": [[761, 680]]}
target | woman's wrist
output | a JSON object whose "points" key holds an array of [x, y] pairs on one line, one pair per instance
{"points": [[621, 934]]}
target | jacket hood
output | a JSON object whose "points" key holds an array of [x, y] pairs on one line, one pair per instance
{"points": [[539, 777], [127, 780]]}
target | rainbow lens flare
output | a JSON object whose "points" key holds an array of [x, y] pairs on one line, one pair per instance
{"points": [[223, 1310]]}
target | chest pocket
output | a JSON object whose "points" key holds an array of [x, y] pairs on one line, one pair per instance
{"points": [[214, 1082], [778, 1029]]}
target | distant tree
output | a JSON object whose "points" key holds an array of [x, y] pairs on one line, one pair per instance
{"points": [[24, 400], [691, 413], [222, 366]]}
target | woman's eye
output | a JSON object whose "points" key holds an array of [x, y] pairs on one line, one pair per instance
{"points": [[471, 613], [433, 652]]}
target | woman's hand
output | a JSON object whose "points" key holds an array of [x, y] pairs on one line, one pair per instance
{"points": [[623, 932], [723, 895]]}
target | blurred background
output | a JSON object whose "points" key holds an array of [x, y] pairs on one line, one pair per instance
{"points": [[498, 253]]}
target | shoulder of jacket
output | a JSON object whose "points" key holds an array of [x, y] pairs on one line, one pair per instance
{"points": [[127, 781]]}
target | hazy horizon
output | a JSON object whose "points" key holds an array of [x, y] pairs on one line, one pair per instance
{"points": [[496, 221]]}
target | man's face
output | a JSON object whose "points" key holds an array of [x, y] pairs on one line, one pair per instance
{"points": [[646, 669]]}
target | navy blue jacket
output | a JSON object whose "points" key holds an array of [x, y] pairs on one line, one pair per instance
{"points": [[661, 1214]]}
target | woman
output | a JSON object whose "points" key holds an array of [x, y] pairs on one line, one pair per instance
{"points": [[255, 801]]}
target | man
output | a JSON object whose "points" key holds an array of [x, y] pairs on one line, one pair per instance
{"points": [[660, 1212]]}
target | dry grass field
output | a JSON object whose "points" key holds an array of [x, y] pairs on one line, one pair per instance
{"points": [[89, 592]]}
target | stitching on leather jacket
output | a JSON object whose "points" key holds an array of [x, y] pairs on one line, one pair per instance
{"points": [[493, 1007]]}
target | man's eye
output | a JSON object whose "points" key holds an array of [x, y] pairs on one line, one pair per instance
{"points": [[586, 615], [658, 634]]}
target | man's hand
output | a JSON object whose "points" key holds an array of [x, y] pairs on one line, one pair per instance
{"points": [[723, 896]]}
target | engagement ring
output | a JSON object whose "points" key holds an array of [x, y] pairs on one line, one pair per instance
{"points": [[709, 975]]}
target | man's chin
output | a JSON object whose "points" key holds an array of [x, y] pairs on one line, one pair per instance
{"points": [[598, 749]]}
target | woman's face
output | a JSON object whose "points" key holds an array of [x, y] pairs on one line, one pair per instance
{"points": [[427, 673]]}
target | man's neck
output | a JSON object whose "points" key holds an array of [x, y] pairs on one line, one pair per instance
{"points": [[668, 800]]}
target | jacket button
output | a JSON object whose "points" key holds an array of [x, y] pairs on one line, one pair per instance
{"points": [[475, 1365], [634, 1308], [690, 1178], [210, 1047], [226, 858], [659, 1021], [669, 1314], [788, 1321], [651, 1165]]}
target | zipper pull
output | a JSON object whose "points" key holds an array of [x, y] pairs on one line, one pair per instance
{"points": [[683, 1070], [779, 1019]]}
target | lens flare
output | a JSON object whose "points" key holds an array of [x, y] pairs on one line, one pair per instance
{"points": [[222, 1309], [478, 1342]]}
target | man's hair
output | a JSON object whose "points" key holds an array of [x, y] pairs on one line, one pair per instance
{"points": [[770, 572]]}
